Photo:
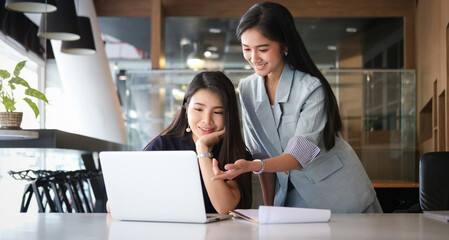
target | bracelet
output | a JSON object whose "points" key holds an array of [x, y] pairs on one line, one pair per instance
{"points": [[262, 169], [208, 154]]}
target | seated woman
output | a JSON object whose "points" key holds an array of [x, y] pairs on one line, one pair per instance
{"points": [[208, 123]]}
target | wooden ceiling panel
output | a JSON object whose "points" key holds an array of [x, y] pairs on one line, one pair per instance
{"points": [[236, 8], [123, 8], [350, 8]]}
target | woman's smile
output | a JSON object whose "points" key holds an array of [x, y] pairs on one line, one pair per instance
{"points": [[260, 66], [205, 113], [265, 55], [206, 130]]}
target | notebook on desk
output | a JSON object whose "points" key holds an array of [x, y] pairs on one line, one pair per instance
{"points": [[163, 186]]}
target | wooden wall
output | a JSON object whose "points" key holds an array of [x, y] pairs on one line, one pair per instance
{"points": [[432, 55]]}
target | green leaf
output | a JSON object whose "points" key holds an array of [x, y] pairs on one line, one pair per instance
{"points": [[19, 80], [4, 74], [35, 93], [11, 86], [9, 103], [18, 68], [33, 106]]}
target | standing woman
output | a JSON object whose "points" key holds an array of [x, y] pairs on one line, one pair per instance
{"points": [[291, 121], [208, 123]]}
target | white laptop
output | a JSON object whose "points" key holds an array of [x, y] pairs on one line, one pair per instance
{"points": [[163, 186]]}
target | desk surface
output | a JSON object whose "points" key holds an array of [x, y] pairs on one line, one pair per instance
{"points": [[101, 226]]}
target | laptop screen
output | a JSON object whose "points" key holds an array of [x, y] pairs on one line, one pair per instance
{"points": [[153, 185]]}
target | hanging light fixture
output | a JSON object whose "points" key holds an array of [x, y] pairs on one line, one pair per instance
{"points": [[86, 44], [31, 6], [122, 75], [195, 60], [62, 24]]}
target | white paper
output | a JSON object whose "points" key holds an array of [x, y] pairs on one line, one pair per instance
{"points": [[270, 214]]}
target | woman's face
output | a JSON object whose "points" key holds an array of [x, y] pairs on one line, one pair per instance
{"points": [[264, 55], [205, 113]]}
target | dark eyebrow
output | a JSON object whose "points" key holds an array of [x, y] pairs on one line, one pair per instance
{"points": [[261, 45], [204, 105], [201, 104]]}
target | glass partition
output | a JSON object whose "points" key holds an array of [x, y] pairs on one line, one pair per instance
{"points": [[378, 111], [377, 108]]}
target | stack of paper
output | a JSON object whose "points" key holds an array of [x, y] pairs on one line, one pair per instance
{"points": [[270, 214]]}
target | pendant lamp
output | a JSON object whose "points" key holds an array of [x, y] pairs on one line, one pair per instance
{"points": [[31, 6], [195, 60], [62, 24], [86, 44]]}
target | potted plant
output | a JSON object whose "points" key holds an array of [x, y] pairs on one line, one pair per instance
{"points": [[10, 85]]}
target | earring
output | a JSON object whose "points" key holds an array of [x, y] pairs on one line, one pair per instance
{"points": [[188, 127], [285, 54]]}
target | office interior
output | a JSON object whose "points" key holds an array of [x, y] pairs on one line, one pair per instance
{"points": [[387, 62]]}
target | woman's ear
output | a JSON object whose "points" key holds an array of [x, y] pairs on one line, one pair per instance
{"points": [[284, 50]]}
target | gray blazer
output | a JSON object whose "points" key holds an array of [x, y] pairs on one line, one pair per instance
{"points": [[336, 179]]}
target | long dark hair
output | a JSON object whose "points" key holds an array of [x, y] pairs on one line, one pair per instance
{"points": [[232, 144], [276, 23]]}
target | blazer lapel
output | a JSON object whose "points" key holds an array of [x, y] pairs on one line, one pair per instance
{"points": [[282, 92], [266, 118], [285, 84]]}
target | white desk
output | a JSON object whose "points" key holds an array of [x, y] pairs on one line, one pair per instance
{"points": [[101, 226]]}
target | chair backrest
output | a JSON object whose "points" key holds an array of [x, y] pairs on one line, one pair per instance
{"points": [[434, 181]]}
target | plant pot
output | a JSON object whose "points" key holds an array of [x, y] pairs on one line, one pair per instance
{"points": [[11, 120]]}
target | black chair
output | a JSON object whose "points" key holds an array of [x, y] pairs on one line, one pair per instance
{"points": [[38, 187], [434, 181], [58, 191]]}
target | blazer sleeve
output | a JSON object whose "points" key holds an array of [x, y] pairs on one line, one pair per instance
{"points": [[311, 120], [312, 117]]}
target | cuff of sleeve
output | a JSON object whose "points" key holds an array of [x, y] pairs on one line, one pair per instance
{"points": [[303, 150]]}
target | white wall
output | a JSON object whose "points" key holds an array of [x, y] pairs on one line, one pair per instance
{"points": [[93, 105]]}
